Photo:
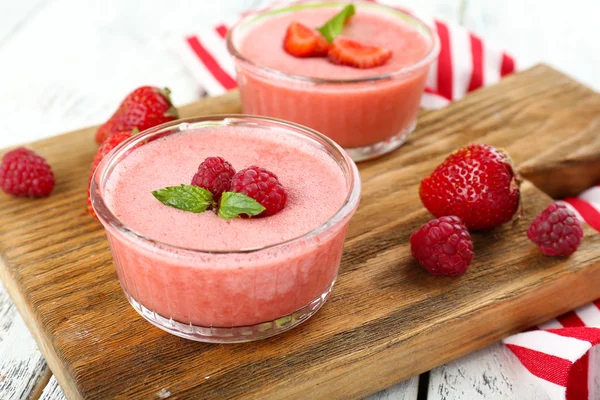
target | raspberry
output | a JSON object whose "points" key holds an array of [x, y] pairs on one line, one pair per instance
{"points": [[556, 231], [443, 246], [214, 174], [263, 186], [24, 173]]}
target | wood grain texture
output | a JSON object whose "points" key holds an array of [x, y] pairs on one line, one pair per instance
{"points": [[387, 319]]}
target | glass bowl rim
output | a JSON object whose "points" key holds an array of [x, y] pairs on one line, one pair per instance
{"points": [[108, 219], [427, 59]]}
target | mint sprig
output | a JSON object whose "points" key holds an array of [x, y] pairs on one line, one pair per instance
{"points": [[185, 197], [197, 199], [234, 204], [333, 28]]}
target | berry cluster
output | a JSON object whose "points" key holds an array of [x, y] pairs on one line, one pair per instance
{"points": [[476, 188], [218, 176]]}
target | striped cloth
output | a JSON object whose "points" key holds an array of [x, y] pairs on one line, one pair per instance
{"points": [[557, 353]]}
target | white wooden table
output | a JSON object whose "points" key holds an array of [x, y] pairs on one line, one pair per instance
{"points": [[65, 64]]}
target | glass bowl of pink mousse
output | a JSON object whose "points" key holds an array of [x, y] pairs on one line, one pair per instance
{"points": [[202, 277], [369, 112]]}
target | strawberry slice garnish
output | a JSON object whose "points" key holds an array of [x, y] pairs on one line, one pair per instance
{"points": [[301, 41], [355, 54]]}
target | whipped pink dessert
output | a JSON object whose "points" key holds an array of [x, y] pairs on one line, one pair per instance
{"points": [[367, 111], [262, 44], [200, 270]]}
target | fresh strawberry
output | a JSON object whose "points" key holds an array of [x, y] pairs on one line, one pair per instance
{"points": [[106, 147], [302, 41], [475, 183], [143, 108], [355, 54], [105, 130]]}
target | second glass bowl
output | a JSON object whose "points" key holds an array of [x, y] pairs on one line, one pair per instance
{"points": [[367, 116]]}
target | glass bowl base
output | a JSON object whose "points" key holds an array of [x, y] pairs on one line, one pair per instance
{"points": [[235, 334], [380, 148]]}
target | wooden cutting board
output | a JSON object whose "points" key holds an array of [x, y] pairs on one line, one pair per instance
{"points": [[387, 319]]}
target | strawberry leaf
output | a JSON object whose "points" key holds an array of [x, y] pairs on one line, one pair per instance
{"points": [[234, 204], [185, 197], [335, 25]]}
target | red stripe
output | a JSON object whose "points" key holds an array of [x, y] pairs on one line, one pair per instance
{"points": [[586, 334], [444, 71], [550, 368], [221, 30], [577, 386], [589, 213], [570, 320], [477, 53], [597, 303], [508, 65], [211, 64]]}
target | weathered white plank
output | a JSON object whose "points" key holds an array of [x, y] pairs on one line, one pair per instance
{"points": [[493, 373], [52, 391], [595, 373], [21, 363], [406, 390], [15, 15], [563, 34], [71, 63]]}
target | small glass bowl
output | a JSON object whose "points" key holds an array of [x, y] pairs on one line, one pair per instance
{"points": [[368, 116], [227, 296]]}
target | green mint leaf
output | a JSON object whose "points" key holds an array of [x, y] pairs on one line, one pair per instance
{"points": [[334, 26], [185, 197], [234, 204]]}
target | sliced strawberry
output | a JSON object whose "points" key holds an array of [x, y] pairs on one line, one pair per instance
{"points": [[355, 54], [301, 41]]}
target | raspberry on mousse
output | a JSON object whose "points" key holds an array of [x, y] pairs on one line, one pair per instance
{"points": [[214, 174], [263, 186]]}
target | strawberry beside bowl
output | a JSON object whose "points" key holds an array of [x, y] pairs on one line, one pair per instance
{"points": [[363, 92], [188, 262]]}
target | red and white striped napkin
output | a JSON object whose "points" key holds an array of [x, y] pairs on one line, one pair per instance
{"points": [[557, 353]]}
